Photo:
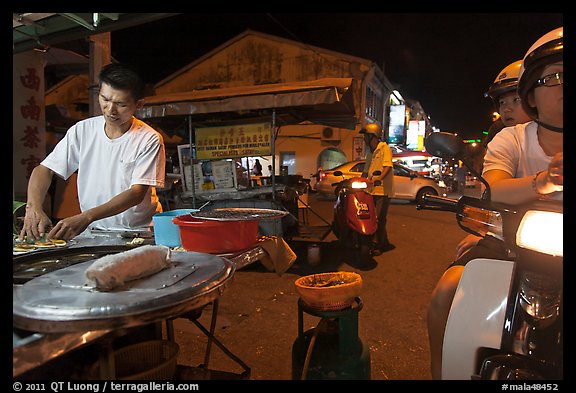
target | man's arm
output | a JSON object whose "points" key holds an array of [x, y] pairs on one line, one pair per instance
{"points": [[36, 221]]}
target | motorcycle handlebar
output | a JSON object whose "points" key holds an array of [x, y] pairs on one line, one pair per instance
{"points": [[434, 202]]}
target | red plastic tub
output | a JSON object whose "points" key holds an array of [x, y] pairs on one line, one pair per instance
{"points": [[216, 237]]}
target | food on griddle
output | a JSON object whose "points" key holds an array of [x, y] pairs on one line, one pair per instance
{"points": [[112, 271], [28, 245], [44, 244], [23, 247], [59, 242]]}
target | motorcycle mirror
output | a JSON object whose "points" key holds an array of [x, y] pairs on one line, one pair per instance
{"points": [[337, 173], [444, 144]]}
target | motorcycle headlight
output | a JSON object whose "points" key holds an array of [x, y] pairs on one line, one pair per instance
{"points": [[359, 184], [542, 231]]}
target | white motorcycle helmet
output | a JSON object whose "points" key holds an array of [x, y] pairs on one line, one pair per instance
{"points": [[506, 81], [546, 50]]}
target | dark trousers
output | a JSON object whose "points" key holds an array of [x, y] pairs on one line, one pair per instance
{"points": [[381, 236]]}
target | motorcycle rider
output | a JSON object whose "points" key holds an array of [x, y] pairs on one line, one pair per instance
{"points": [[504, 95], [522, 163], [379, 159]]}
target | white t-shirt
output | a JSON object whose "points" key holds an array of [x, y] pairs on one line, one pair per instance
{"points": [[106, 167], [516, 151]]}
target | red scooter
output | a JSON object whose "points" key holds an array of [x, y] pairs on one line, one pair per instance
{"points": [[355, 220]]}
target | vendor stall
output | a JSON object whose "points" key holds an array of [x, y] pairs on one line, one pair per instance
{"points": [[224, 125]]}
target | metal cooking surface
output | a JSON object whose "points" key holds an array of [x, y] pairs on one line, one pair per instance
{"points": [[239, 214], [28, 266], [60, 302]]}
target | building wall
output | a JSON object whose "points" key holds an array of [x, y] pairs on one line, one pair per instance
{"points": [[67, 93], [255, 59]]}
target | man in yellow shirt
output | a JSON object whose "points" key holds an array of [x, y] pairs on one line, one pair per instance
{"points": [[379, 159]]}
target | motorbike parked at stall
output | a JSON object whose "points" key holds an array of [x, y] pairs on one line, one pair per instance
{"points": [[355, 220], [506, 319]]}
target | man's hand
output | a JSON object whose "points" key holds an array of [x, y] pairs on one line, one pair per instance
{"points": [[36, 223], [69, 227], [556, 169], [465, 244]]}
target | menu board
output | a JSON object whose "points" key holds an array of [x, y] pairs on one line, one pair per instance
{"points": [[224, 174], [208, 176]]}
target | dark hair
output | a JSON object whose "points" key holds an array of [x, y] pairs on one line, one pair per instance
{"points": [[122, 77]]}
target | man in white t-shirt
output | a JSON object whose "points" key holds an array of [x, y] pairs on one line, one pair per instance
{"points": [[120, 160]]}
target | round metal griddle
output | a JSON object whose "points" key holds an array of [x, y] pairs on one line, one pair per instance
{"points": [[30, 265], [239, 214], [60, 301]]}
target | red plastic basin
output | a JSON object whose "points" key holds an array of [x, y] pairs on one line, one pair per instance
{"points": [[216, 237]]}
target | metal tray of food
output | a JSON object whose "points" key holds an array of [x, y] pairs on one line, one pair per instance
{"points": [[60, 301], [239, 214]]}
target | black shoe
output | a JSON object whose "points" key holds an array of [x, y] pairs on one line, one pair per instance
{"points": [[380, 250]]}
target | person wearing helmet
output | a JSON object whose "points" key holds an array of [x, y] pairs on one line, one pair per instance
{"points": [[504, 95], [523, 163], [379, 159]]}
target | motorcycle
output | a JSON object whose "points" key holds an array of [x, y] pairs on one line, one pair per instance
{"points": [[506, 319], [355, 220]]}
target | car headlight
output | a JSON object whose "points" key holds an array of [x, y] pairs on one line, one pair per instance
{"points": [[542, 231]]}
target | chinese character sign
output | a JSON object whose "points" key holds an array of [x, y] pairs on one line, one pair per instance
{"points": [[233, 141], [28, 118]]}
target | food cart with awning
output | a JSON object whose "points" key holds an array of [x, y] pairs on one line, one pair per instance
{"points": [[330, 101], [327, 101]]}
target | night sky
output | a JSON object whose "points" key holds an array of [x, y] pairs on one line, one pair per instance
{"points": [[446, 61]]}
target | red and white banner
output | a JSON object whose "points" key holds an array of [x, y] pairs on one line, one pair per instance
{"points": [[28, 119]]}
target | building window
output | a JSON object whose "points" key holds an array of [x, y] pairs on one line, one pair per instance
{"points": [[374, 105]]}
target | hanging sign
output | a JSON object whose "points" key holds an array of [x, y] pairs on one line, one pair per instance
{"points": [[243, 140]]}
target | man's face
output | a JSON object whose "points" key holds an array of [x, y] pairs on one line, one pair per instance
{"points": [[371, 140], [118, 106], [549, 100]]}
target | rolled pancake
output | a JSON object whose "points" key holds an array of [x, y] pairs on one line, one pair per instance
{"points": [[112, 271]]}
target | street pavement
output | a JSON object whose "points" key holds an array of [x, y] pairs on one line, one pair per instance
{"points": [[258, 312]]}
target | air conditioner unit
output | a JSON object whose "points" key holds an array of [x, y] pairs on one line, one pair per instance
{"points": [[330, 134]]}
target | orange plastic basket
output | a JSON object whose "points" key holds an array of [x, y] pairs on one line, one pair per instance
{"points": [[329, 291]]}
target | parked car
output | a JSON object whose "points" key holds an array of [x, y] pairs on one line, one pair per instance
{"points": [[408, 184]]}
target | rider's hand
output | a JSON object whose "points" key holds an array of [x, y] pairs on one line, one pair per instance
{"points": [[465, 244], [69, 227], [556, 169]]}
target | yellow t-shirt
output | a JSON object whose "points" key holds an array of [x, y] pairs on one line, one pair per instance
{"points": [[382, 157]]}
